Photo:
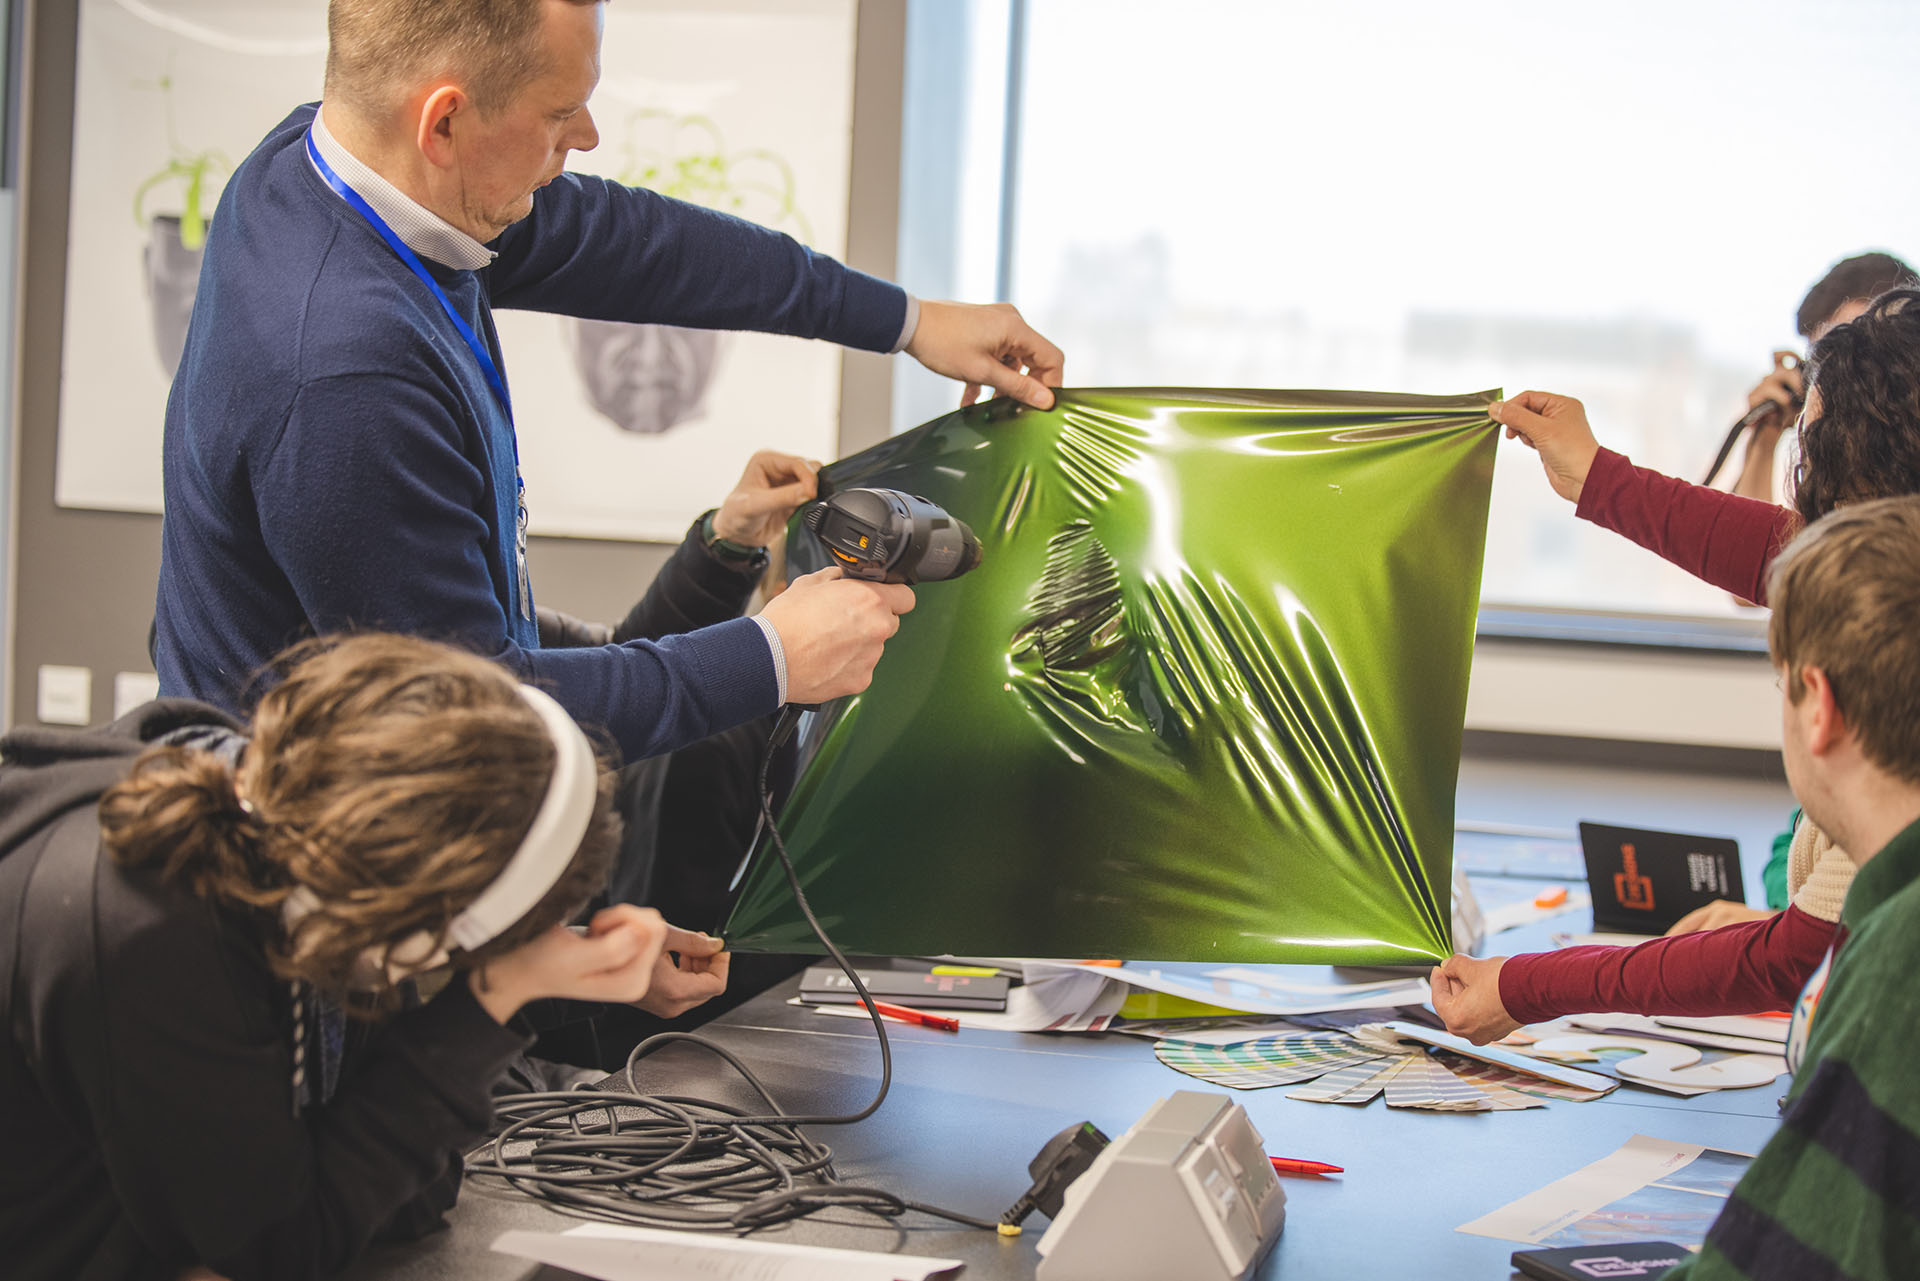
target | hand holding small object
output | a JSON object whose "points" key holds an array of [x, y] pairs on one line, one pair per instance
{"points": [[1785, 386], [698, 974]]}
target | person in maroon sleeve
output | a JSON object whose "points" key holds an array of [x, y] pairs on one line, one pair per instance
{"points": [[1859, 438], [212, 1048]]}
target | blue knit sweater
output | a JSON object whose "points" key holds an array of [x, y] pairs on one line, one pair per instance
{"points": [[335, 459]]}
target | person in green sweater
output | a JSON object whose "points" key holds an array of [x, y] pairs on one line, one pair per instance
{"points": [[1836, 1192]]}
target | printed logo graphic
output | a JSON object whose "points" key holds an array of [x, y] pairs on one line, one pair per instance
{"points": [[1615, 1266], [1634, 891]]}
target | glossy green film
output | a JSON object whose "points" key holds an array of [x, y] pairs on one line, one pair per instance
{"points": [[1202, 699]]}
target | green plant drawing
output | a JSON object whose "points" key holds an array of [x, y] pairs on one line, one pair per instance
{"points": [[696, 166], [189, 168]]}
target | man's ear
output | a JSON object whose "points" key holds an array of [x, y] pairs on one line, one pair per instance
{"points": [[434, 132], [1826, 726]]}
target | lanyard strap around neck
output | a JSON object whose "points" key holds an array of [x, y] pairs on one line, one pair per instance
{"points": [[399, 246]]}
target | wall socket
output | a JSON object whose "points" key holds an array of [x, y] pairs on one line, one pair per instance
{"points": [[131, 689], [66, 695]]}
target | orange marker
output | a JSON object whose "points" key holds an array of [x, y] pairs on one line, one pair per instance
{"points": [[921, 1017], [1551, 898]]}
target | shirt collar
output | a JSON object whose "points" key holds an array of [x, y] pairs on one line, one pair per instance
{"points": [[419, 228], [1896, 866]]}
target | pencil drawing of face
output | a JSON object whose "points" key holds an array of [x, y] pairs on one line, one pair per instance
{"points": [[644, 378], [173, 280]]}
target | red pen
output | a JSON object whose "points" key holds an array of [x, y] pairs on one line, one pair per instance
{"points": [[1288, 1165], [921, 1017]]}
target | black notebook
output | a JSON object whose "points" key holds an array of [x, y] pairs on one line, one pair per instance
{"points": [[1643, 882], [827, 985], [1634, 1259]]}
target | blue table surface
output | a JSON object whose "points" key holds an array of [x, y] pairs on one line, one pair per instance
{"points": [[968, 1110]]}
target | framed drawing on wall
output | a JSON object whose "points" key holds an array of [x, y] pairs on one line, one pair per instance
{"points": [[627, 431]]}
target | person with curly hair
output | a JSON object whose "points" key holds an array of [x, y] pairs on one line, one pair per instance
{"points": [[215, 940]]}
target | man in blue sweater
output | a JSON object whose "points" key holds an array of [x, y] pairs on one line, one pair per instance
{"points": [[340, 446]]}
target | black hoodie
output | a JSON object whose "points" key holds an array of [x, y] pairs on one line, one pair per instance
{"points": [[146, 1104]]}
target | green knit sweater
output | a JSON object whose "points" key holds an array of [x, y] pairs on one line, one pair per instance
{"points": [[1836, 1192]]}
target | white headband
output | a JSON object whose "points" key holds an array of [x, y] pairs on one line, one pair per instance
{"points": [[545, 853], [550, 843]]}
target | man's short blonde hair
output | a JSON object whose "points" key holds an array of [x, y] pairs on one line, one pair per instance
{"points": [[380, 50], [1846, 599]]}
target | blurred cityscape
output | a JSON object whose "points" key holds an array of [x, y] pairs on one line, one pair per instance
{"points": [[1650, 390]]}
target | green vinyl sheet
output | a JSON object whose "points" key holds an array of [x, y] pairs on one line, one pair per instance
{"points": [[1202, 699]]}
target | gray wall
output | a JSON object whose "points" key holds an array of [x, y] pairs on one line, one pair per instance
{"points": [[83, 590]]}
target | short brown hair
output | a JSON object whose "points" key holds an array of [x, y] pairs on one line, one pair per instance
{"points": [[391, 777], [377, 49], [1846, 599]]}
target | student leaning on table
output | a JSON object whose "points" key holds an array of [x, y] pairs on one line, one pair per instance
{"points": [[1859, 439], [1834, 1193], [211, 1060]]}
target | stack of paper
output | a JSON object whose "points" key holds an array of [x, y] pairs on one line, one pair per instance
{"points": [[1082, 996]]}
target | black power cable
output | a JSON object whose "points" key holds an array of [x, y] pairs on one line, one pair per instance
{"points": [[669, 1161]]}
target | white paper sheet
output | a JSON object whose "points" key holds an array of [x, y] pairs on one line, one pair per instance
{"points": [[1648, 1188], [612, 1252]]}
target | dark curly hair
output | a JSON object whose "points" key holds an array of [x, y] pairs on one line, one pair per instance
{"points": [[1865, 440], [389, 776]]}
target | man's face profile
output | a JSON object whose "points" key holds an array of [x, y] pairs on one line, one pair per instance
{"points": [[506, 157]]}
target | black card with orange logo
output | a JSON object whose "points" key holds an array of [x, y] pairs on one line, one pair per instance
{"points": [[1643, 882]]}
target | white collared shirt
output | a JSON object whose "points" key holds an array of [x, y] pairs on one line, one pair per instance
{"points": [[419, 228]]}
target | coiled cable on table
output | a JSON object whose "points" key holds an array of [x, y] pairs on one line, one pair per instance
{"points": [[688, 1163]]}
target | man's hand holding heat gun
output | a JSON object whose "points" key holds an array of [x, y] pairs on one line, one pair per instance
{"points": [[832, 629]]}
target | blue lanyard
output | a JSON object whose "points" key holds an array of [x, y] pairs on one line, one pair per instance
{"points": [[399, 246], [478, 348]]}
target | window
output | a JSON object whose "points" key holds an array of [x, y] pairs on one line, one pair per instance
{"points": [[1624, 203]]}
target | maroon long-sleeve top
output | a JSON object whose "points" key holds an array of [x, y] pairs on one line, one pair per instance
{"points": [[1729, 541]]}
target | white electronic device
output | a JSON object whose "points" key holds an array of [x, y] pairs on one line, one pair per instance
{"points": [[1188, 1192]]}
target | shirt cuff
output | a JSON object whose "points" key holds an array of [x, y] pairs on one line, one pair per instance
{"points": [[907, 327], [779, 656]]}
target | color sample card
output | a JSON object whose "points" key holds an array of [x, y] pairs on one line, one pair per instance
{"points": [[1275, 1060], [1355, 1083]]}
